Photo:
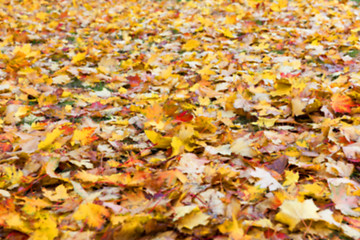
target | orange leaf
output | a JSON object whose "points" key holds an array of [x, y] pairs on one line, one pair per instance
{"points": [[341, 103], [83, 136]]}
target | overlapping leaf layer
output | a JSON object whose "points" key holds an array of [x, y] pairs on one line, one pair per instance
{"points": [[172, 119]]}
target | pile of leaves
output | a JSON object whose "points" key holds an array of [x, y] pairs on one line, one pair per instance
{"points": [[209, 119]]}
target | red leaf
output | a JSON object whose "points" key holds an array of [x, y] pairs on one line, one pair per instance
{"points": [[341, 103], [5, 147], [269, 233], [67, 129], [134, 81], [185, 116]]}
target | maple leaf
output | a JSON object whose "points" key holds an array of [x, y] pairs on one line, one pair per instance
{"points": [[233, 228], [266, 180], [341, 103], [79, 57], [181, 211], [191, 45], [50, 138], [46, 228], [293, 212], [25, 50], [60, 193], [14, 221], [212, 200], [134, 81], [291, 178], [92, 214], [228, 94], [242, 146], [158, 139], [193, 219], [13, 175], [61, 79], [84, 136], [185, 116], [344, 202], [5, 147]]}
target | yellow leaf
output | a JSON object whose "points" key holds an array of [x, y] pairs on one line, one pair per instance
{"points": [[184, 140], [265, 122], [60, 193], [205, 21], [152, 58], [158, 139], [22, 111], [68, 108], [279, 5], [191, 45], [292, 152], [204, 101], [177, 146], [122, 90], [232, 228], [227, 33], [262, 222], [230, 19], [25, 50], [302, 143], [14, 221], [46, 228], [87, 177], [50, 138], [92, 214], [181, 211], [186, 132], [166, 73], [193, 219], [79, 57], [108, 65], [132, 226], [34, 205], [31, 91], [293, 212], [47, 100], [298, 106], [281, 89], [206, 70], [41, 15], [290, 178]]}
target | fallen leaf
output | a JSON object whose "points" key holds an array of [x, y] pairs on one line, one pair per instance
{"points": [[193, 219], [79, 57], [191, 45], [293, 212], [157, 139], [84, 136], [341, 103], [50, 139], [60, 193], [92, 214], [266, 180], [242, 147]]}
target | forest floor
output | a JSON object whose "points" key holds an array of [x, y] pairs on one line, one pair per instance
{"points": [[179, 119]]}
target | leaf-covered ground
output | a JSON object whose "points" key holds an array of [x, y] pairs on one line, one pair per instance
{"points": [[179, 119]]}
